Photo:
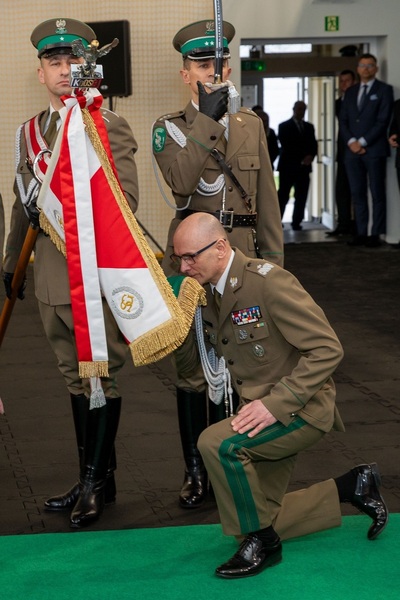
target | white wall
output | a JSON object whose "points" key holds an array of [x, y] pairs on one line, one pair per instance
{"points": [[305, 19], [157, 87]]}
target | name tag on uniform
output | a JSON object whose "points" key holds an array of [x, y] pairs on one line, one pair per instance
{"points": [[244, 316]]}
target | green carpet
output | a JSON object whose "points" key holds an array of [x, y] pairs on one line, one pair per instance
{"points": [[177, 563]]}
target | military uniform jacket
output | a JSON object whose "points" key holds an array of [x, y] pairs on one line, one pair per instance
{"points": [[277, 343], [50, 266], [245, 152]]}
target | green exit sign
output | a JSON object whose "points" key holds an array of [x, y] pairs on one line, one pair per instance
{"points": [[253, 65], [331, 23]]}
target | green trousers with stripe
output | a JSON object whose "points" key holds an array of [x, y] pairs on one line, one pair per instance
{"points": [[250, 477]]}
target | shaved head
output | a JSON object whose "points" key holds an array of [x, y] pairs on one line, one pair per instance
{"points": [[199, 228], [195, 233]]}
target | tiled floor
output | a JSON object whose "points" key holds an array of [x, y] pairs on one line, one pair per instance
{"points": [[359, 290]]}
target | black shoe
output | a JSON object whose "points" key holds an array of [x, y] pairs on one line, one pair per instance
{"points": [[297, 227], [368, 499], [194, 489], [339, 231], [373, 241], [252, 557], [358, 240], [68, 500], [90, 504]]}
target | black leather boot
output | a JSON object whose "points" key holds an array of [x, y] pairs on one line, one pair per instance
{"points": [[368, 499], [67, 501], [192, 416], [101, 429]]}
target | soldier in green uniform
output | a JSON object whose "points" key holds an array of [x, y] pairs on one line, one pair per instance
{"points": [[95, 429], [188, 146], [280, 353]]}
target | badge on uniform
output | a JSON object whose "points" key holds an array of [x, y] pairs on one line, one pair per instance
{"points": [[258, 350], [159, 137], [244, 316]]}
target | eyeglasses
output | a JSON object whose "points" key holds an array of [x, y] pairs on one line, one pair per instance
{"points": [[366, 66], [190, 259]]}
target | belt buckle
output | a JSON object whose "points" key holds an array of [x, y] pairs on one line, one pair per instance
{"points": [[226, 219]]}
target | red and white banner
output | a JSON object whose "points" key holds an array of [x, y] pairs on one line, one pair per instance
{"points": [[88, 218]]}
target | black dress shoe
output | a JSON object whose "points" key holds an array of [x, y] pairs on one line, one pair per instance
{"points": [[368, 499], [358, 240], [373, 241], [339, 231], [252, 557], [297, 227]]}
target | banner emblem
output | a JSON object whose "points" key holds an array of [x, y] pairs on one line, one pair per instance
{"points": [[127, 302]]}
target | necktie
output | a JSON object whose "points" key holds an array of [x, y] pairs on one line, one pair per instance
{"points": [[217, 300], [300, 126], [363, 97], [52, 128]]}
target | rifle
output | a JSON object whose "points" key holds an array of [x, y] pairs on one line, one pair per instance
{"points": [[18, 278]]}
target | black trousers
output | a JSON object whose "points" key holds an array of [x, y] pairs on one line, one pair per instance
{"points": [[343, 199], [298, 177]]}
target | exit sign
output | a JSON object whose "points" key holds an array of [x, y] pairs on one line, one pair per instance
{"points": [[331, 23]]}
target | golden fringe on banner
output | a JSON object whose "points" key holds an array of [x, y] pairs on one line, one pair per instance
{"points": [[161, 340], [148, 349], [52, 233], [98, 368]]}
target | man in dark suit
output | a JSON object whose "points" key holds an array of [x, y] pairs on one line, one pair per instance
{"points": [[298, 149], [364, 121], [347, 78], [394, 136], [394, 141]]}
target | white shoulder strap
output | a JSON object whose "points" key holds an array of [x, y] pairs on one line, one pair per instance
{"points": [[177, 135]]}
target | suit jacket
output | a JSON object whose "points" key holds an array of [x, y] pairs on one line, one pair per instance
{"points": [[341, 144], [372, 121], [285, 356], [184, 164], [273, 147], [50, 266], [295, 145], [395, 128]]}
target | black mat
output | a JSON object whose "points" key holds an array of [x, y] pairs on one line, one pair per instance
{"points": [[359, 290]]}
